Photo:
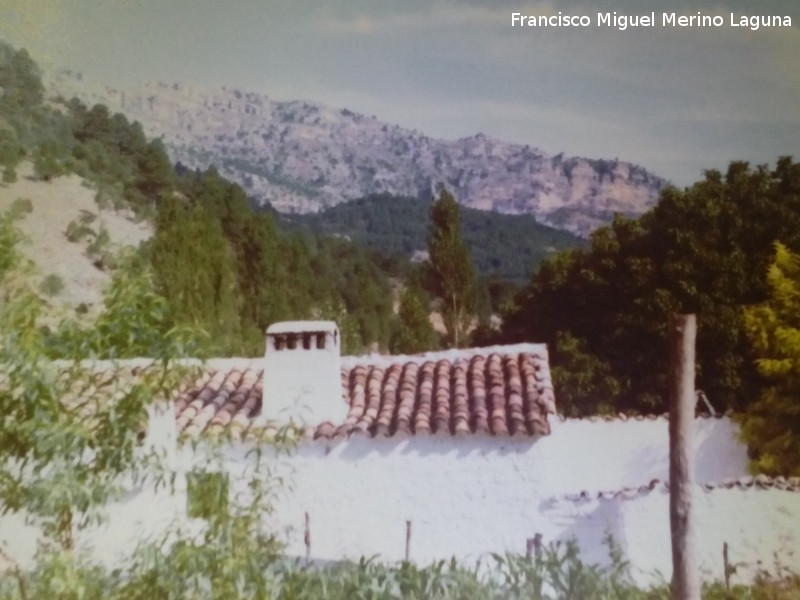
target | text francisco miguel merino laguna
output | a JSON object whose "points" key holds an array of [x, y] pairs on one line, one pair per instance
{"points": [[623, 22]]}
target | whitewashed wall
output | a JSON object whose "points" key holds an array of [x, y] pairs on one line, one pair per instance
{"points": [[757, 524], [469, 496]]}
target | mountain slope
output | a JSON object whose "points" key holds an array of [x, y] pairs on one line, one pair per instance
{"points": [[503, 246], [302, 156], [76, 263]]}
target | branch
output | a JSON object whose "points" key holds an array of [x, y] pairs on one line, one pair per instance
{"points": [[17, 572]]}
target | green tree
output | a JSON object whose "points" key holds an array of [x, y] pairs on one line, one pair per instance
{"points": [[771, 425], [452, 272], [9, 145], [195, 271], [20, 80], [69, 435], [414, 331], [71, 444], [155, 171], [701, 250], [46, 162]]}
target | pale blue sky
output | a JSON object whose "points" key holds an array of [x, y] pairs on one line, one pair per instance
{"points": [[674, 101]]}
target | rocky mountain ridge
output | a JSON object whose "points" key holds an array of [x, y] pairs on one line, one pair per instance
{"points": [[302, 157]]}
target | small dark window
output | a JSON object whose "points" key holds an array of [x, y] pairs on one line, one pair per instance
{"points": [[320, 341], [306, 341], [279, 342], [206, 493], [292, 341]]}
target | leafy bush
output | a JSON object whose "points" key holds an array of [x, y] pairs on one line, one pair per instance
{"points": [[9, 175], [99, 244], [87, 217], [76, 231], [20, 207], [51, 285]]}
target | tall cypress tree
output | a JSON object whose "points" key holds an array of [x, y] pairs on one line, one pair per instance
{"points": [[452, 271]]}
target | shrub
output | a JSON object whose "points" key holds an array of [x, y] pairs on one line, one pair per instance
{"points": [[76, 231], [9, 175], [99, 245], [52, 285], [20, 207], [87, 217]]}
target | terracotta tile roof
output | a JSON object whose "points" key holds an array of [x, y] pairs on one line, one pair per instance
{"points": [[759, 482], [493, 392]]}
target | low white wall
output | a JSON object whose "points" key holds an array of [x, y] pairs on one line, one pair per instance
{"points": [[470, 496], [760, 527]]}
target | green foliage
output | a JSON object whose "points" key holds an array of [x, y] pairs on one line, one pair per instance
{"points": [[219, 266], [51, 285], [20, 80], [9, 146], [414, 331], [771, 425], [585, 382], [451, 270], [9, 175], [10, 237], [87, 217], [502, 246], [195, 270], [207, 494], [99, 247], [233, 272], [155, 176], [230, 559], [67, 436], [702, 250], [72, 436], [116, 155], [46, 163], [20, 208], [136, 322], [76, 231]]}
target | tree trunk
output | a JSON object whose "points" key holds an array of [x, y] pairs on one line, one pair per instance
{"points": [[685, 574]]}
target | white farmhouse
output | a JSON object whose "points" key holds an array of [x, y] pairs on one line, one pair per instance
{"points": [[457, 453]]}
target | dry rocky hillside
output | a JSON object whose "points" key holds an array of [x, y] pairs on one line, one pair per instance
{"points": [[302, 156], [64, 209]]}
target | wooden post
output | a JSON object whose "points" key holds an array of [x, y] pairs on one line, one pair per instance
{"points": [[529, 548], [682, 399], [307, 540], [408, 540], [537, 546], [727, 563], [533, 547]]}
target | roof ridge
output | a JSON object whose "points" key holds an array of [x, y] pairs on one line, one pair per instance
{"points": [[451, 354], [648, 417], [750, 482]]}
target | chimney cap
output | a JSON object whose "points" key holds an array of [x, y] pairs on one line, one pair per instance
{"points": [[302, 327]]}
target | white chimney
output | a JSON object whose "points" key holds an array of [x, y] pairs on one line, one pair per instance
{"points": [[302, 379]]}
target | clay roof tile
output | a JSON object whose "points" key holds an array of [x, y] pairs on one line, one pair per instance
{"points": [[472, 391]]}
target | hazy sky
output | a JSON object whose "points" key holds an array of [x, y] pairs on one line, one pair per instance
{"points": [[676, 101]]}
